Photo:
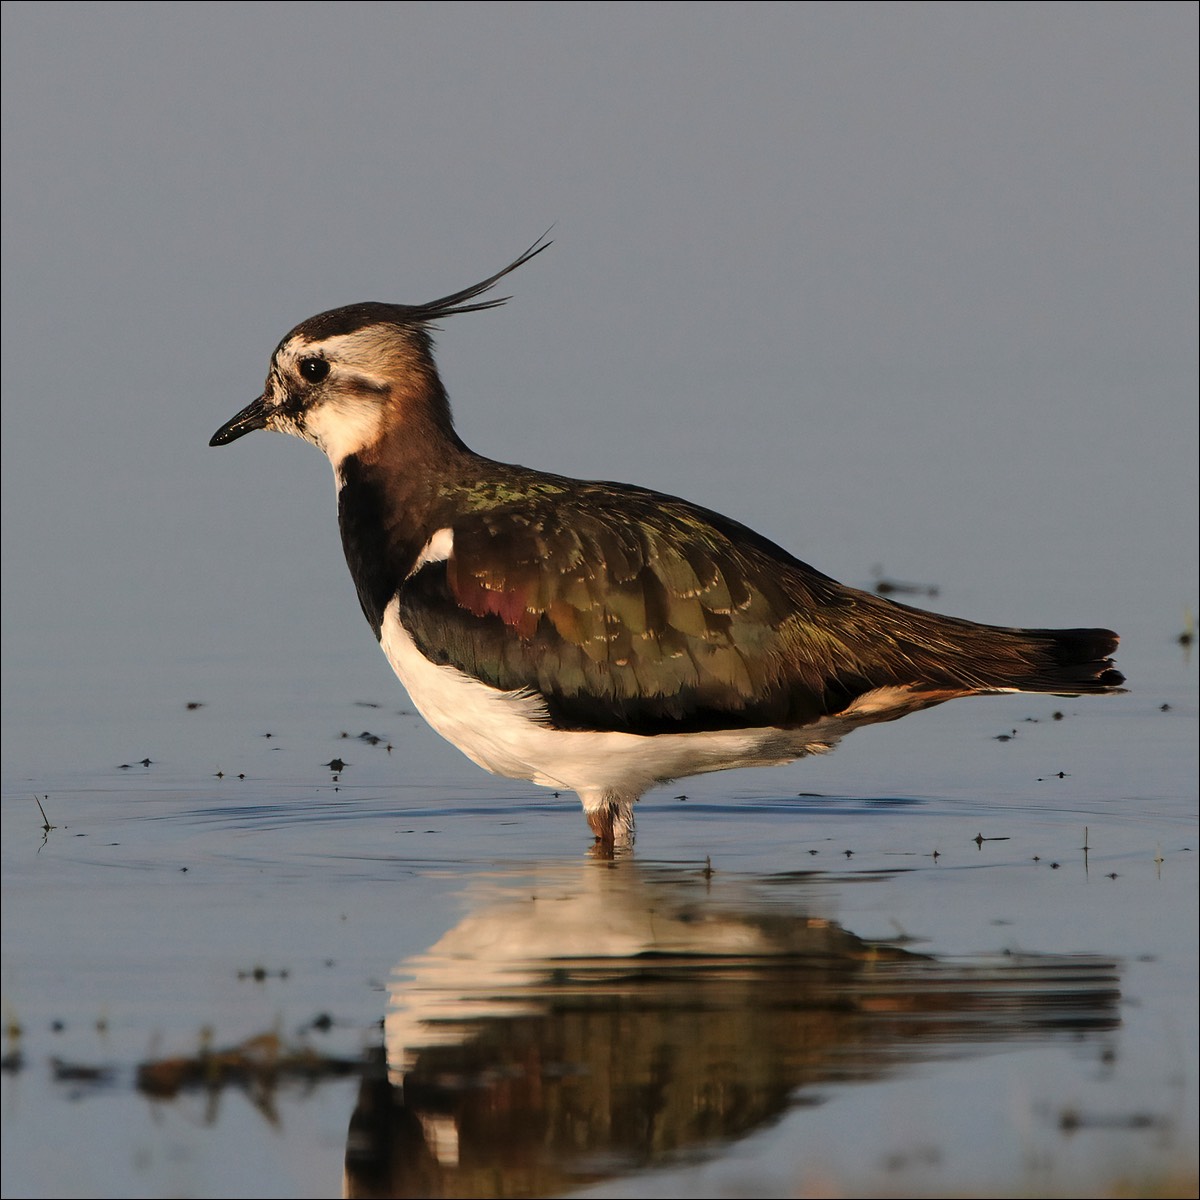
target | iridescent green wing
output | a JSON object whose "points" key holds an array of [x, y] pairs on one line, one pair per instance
{"points": [[631, 611]]}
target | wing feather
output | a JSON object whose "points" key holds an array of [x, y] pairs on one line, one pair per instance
{"points": [[635, 614], [628, 610]]}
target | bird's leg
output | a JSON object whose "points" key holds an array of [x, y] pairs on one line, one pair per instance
{"points": [[610, 815]]}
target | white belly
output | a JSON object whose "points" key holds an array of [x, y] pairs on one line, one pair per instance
{"points": [[508, 733]]}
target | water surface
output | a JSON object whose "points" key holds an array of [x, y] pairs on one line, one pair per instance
{"points": [[234, 969]]}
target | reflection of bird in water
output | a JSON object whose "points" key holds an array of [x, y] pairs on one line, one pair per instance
{"points": [[600, 637], [582, 1024]]}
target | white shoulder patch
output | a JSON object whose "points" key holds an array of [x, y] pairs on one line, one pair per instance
{"points": [[437, 549]]}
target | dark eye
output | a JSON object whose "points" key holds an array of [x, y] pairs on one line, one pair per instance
{"points": [[314, 369]]}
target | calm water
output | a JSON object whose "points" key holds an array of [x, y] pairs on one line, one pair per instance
{"points": [[960, 955]]}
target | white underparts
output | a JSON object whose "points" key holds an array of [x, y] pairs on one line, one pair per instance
{"points": [[508, 733]]}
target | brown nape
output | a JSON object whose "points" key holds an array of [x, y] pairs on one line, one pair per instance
{"points": [[423, 431]]}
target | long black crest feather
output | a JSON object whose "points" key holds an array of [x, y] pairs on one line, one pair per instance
{"points": [[358, 316], [448, 306]]}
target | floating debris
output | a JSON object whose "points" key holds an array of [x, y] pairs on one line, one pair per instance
{"points": [[979, 839], [258, 974], [69, 1072], [893, 587], [1071, 1119], [259, 1065], [1188, 634], [12, 1061]]}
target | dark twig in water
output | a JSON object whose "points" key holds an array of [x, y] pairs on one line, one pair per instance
{"points": [[979, 839], [46, 826]]}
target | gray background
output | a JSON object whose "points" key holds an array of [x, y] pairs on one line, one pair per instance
{"points": [[910, 285]]}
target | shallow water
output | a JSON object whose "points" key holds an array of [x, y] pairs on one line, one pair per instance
{"points": [[958, 956]]}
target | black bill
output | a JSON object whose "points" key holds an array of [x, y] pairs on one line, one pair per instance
{"points": [[253, 416]]}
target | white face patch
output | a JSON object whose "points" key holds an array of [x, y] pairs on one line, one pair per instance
{"points": [[344, 413], [343, 425]]}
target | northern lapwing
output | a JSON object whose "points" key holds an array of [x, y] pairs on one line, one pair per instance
{"points": [[601, 637]]}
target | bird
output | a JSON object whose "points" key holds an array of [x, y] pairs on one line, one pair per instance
{"points": [[601, 637]]}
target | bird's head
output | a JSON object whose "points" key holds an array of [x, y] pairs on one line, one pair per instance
{"points": [[340, 379]]}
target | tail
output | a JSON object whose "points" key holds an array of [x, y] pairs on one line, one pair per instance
{"points": [[1070, 662], [933, 658], [937, 657], [950, 653]]}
